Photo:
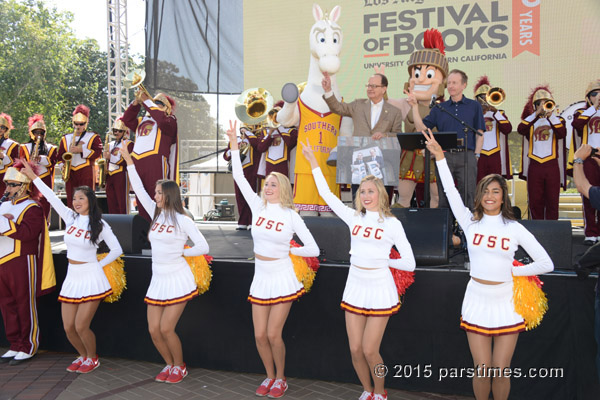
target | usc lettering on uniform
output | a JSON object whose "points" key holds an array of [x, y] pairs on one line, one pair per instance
{"points": [[78, 232], [492, 241], [367, 232], [269, 224], [159, 228]]}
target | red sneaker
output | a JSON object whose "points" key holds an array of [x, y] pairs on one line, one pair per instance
{"points": [[88, 365], [379, 396], [278, 389], [366, 396], [265, 387], [164, 374], [177, 374], [75, 364]]}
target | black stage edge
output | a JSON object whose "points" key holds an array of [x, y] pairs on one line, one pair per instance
{"points": [[216, 331]]}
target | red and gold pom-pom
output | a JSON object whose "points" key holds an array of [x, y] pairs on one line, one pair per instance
{"points": [[115, 273], [529, 299], [305, 268], [201, 270], [402, 279]]}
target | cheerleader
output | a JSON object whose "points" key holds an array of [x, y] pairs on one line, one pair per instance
{"points": [[488, 311], [85, 284], [370, 296], [173, 283], [275, 286]]}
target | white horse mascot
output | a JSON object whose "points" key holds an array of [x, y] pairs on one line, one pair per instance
{"points": [[316, 123]]}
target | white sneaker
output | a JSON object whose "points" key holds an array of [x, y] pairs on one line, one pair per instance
{"points": [[8, 356], [366, 396], [20, 357]]}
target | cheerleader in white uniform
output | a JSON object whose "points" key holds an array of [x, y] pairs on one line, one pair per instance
{"points": [[172, 284], [488, 310], [275, 286], [85, 284], [370, 296]]}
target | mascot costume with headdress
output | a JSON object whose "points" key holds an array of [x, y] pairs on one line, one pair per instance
{"points": [[428, 70], [543, 158], [27, 270], [82, 148], [44, 154], [586, 124], [495, 157]]}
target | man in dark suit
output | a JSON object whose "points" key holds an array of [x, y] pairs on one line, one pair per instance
{"points": [[373, 116]]}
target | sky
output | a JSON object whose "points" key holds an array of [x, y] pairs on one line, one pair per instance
{"points": [[90, 18]]}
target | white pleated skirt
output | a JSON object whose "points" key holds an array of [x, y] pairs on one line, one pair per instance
{"points": [[171, 283], [370, 292], [274, 282], [83, 283], [489, 310]]}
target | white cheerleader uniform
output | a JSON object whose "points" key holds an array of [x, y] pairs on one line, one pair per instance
{"points": [[172, 279], [370, 292], [273, 227], [84, 282], [492, 242]]}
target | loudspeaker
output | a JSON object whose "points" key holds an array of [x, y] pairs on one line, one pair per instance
{"points": [[332, 236], [130, 230], [427, 230], [555, 237]]}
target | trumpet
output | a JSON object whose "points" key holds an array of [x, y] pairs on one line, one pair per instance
{"points": [[135, 79], [36, 149], [67, 157], [549, 106], [495, 97]]}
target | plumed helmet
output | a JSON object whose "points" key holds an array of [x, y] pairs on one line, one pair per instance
{"points": [[81, 114], [432, 54], [36, 122], [541, 92], [594, 85], [482, 86], [6, 120], [168, 101], [119, 125]]}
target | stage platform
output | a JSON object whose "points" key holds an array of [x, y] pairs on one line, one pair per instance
{"points": [[216, 329]]}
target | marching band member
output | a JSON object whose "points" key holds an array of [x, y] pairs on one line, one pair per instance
{"points": [[586, 125], [26, 268], [277, 144], [155, 150], [42, 153], [488, 310], [370, 296], [85, 284], [173, 283], [84, 147], [9, 149], [495, 156], [248, 142], [117, 187], [274, 286], [543, 158]]}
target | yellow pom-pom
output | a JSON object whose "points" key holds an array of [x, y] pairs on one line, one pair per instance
{"points": [[304, 273], [201, 270], [115, 273], [530, 300]]}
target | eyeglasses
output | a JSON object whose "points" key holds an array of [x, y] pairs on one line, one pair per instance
{"points": [[159, 103], [118, 131], [373, 86], [13, 184], [79, 123]]}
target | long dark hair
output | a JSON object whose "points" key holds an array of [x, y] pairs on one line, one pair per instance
{"points": [[95, 213], [506, 209], [171, 201]]}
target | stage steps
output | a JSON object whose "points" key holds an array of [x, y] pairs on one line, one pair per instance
{"points": [[571, 208]]}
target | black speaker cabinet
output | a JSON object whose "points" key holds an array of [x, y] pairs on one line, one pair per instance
{"points": [[555, 237], [332, 236], [131, 230]]}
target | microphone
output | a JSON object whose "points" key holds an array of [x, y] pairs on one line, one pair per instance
{"points": [[432, 103]]}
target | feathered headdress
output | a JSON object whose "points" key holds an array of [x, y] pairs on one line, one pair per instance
{"points": [[81, 113], [434, 52], [6, 120], [482, 86], [544, 93]]}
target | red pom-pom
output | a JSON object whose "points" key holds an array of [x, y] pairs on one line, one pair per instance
{"points": [[534, 278], [83, 109], [482, 81], [34, 119], [402, 279], [432, 39], [209, 259]]}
